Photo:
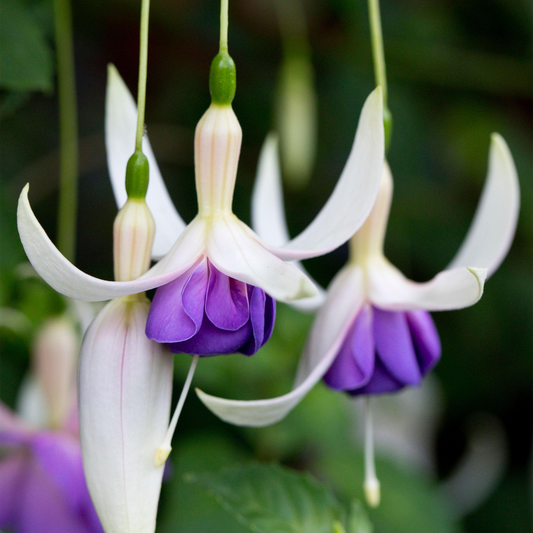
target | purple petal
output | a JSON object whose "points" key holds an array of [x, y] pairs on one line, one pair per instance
{"points": [[394, 346], [262, 318], [381, 381], [270, 317], [59, 456], [354, 364], [425, 339], [227, 301], [211, 340], [177, 309], [12, 471], [43, 508]]}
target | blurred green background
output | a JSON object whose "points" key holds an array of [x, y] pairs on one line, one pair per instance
{"points": [[457, 72]]}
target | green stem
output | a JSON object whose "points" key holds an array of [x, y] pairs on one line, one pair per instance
{"points": [[68, 131], [292, 25], [143, 62], [377, 47], [224, 25]]}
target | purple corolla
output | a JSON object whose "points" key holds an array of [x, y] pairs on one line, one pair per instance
{"points": [[42, 484], [384, 351], [205, 312]]}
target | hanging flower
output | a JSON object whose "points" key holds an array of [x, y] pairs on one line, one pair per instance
{"points": [[42, 484], [373, 333], [216, 262], [125, 381]]}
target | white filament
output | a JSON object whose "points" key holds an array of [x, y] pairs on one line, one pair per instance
{"points": [[164, 450], [371, 485]]}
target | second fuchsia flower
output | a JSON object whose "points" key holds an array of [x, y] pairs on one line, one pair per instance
{"points": [[373, 333]]}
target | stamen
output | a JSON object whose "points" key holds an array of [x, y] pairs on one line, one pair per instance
{"points": [[371, 485], [164, 450]]}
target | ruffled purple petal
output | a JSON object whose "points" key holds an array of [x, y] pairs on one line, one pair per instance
{"points": [[394, 346], [382, 381], [425, 339], [384, 352], [354, 365], [177, 309], [262, 318], [227, 301], [204, 312], [211, 340]]}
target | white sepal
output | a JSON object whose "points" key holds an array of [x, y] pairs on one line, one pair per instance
{"points": [[125, 391], [492, 230], [451, 289], [333, 321], [268, 214], [237, 252], [66, 279], [354, 195], [268, 209], [120, 128]]}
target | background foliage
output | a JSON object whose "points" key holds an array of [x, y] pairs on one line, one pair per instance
{"points": [[457, 71]]}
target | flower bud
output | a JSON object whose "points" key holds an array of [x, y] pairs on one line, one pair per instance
{"points": [[55, 355], [133, 235], [296, 118]]}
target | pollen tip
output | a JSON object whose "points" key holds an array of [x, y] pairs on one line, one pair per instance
{"points": [[162, 455], [372, 492]]}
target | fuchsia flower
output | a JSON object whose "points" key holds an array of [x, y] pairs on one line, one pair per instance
{"points": [[373, 333], [215, 260], [42, 484]]}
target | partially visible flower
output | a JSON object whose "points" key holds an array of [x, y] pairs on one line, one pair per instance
{"points": [[373, 333], [42, 484], [296, 101]]}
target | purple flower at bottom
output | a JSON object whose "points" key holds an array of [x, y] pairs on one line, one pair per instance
{"points": [[385, 351], [204, 312], [42, 484]]}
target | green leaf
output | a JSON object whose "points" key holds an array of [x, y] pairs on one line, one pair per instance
{"points": [[269, 498], [186, 508], [25, 55]]}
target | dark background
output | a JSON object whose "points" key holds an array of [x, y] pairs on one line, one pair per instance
{"points": [[457, 72]]}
